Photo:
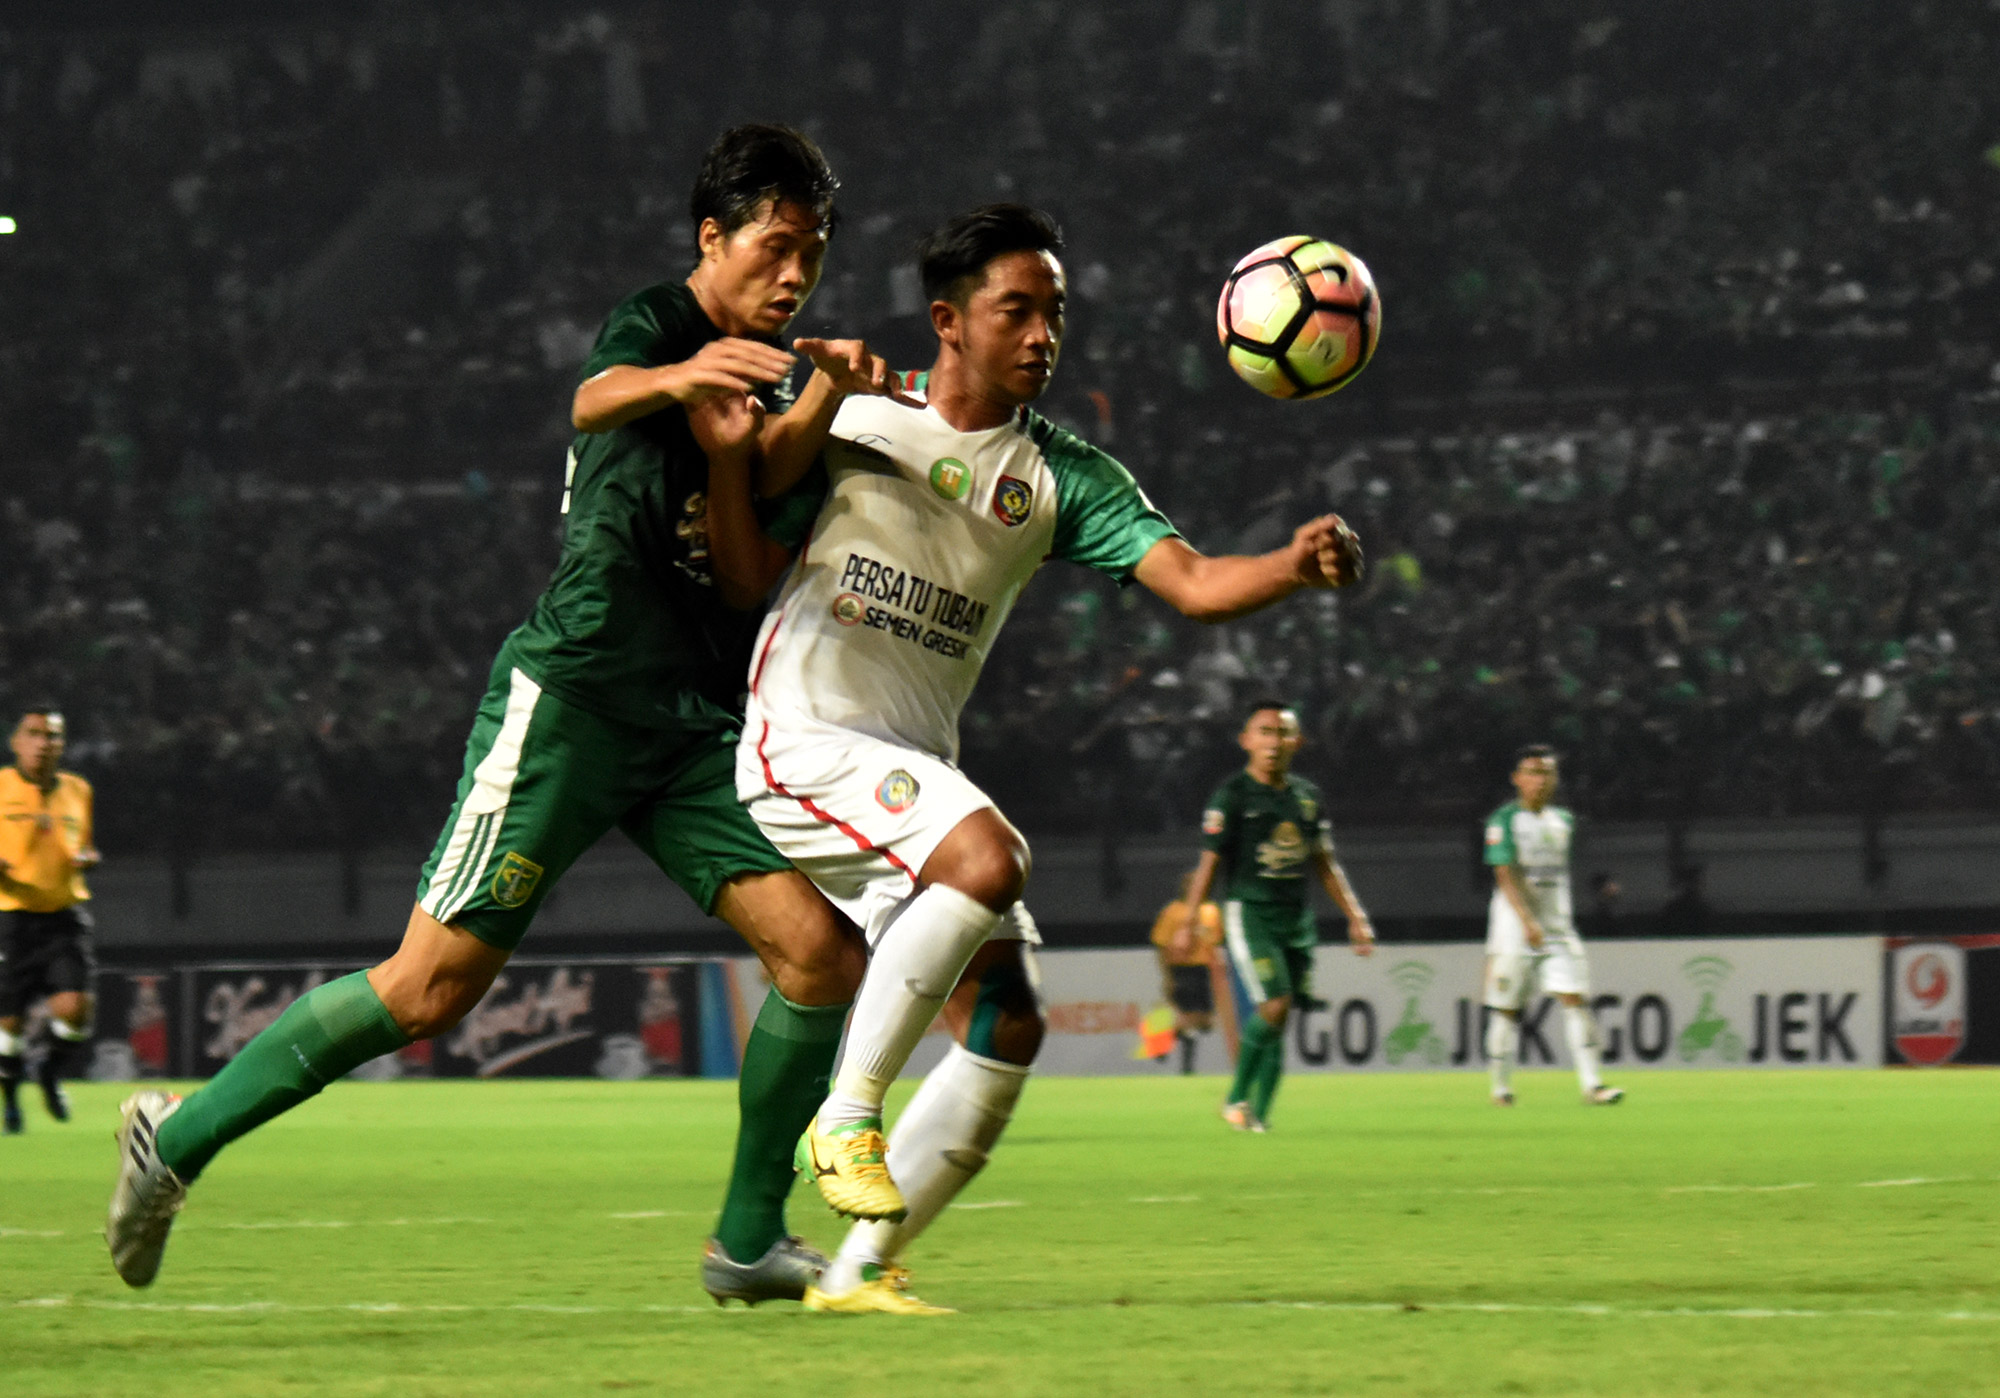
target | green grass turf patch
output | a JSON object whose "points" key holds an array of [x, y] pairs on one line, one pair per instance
{"points": [[1809, 1233]]}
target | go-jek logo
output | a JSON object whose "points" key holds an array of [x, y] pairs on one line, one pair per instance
{"points": [[1709, 1030], [1413, 1035]]}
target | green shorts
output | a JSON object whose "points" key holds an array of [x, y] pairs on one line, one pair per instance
{"points": [[544, 780], [1270, 948]]}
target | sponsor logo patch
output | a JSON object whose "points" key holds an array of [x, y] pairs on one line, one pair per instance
{"points": [[1013, 501], [1212, 822], [950, 478], [848, 609], [1927, 1001], [515, 880], [897, 793]]}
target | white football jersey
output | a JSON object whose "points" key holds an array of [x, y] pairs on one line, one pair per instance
{"points": [[924, 541], [1538, 843]]}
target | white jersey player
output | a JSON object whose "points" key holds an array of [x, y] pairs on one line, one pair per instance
{"points": [[1531, 939], [937, 513]]}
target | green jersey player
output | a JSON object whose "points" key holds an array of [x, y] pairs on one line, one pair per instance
{"points": [[1530, 929], [613, 705], [1262, 831]]}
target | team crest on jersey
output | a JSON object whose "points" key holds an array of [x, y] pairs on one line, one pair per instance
{"points": [[1212, 822], [1284, 851], [1013, 501], [515, 880], [950, 478], [848, 609], [897, 793], [1308, 807]]}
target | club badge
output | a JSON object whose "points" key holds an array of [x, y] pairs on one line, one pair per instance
{"points": [[1013, 501], [848, 609], [897, 793], [515, 880]]}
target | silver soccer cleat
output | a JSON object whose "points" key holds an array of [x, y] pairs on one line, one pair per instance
{"points": [[781, 1274], [147, 1195]]}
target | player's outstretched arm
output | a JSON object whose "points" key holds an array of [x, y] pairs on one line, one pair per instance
{"points": [[792, 441], [1360, 930], [742, 558], [1323, 553], [626, 392]]}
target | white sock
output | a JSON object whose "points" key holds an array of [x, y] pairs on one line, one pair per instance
{"points": [[1503, 1035], [914, 967], [62, 1029], [1580, 1029], [10, 1044], [941, 1141]]}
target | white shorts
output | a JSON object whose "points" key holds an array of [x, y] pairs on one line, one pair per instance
{"points": [[859, 816], [1512, 977], [1514, 972]]}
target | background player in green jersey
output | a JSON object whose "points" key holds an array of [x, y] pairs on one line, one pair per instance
{"points": [[614, 704], [1531, 938], [1262, 830]]}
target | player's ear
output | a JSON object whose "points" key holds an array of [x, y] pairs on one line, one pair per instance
{"points": [[945, 320], [710, 238]]}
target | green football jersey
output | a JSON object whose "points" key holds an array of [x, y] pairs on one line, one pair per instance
{"points": [[1266, 836], [629, 626]]}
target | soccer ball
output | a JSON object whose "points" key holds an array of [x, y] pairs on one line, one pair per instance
{"points": [[1299, 318]]}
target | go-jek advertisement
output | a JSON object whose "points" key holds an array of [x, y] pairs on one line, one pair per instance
{"points": [[1792, 1002]]}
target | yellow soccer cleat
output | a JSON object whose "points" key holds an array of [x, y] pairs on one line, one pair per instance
{"points": [[847, 1163], [883, 1291]]}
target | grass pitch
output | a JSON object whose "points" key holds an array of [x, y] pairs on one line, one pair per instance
{"points": [[1718, 1233]]}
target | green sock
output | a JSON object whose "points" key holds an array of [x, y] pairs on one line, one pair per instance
{"points": [[324, 1034], [1249, 1056], [786, 1066], [1269, 1069]]}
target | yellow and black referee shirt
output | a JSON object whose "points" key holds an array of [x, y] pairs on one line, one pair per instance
{"points": [[40, 832]]}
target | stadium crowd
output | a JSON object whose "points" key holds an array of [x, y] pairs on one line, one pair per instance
{"points": [[294, 308]]}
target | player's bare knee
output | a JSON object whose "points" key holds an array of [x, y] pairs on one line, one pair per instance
{"points": [[819, 971], [993, 871], [985, 858]]}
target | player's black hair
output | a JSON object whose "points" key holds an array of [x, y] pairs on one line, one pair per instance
{"points": [[48, 708], [750, 165], [1534, 750], [1257, 706], [953, 258]]}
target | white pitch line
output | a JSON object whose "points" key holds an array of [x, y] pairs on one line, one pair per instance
{"points": [[1593, 1310], [993, 1204], [1737, 1188], [1623, 1312], [1914, 1180], [269, 1225], [30, 1232], [1166, 1199]]}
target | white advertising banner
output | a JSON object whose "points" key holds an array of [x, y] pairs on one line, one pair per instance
{"points": [[1767, 1002]]}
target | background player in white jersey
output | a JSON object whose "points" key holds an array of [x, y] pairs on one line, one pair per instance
{"points": [[937, 515], [1531, 934]]}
